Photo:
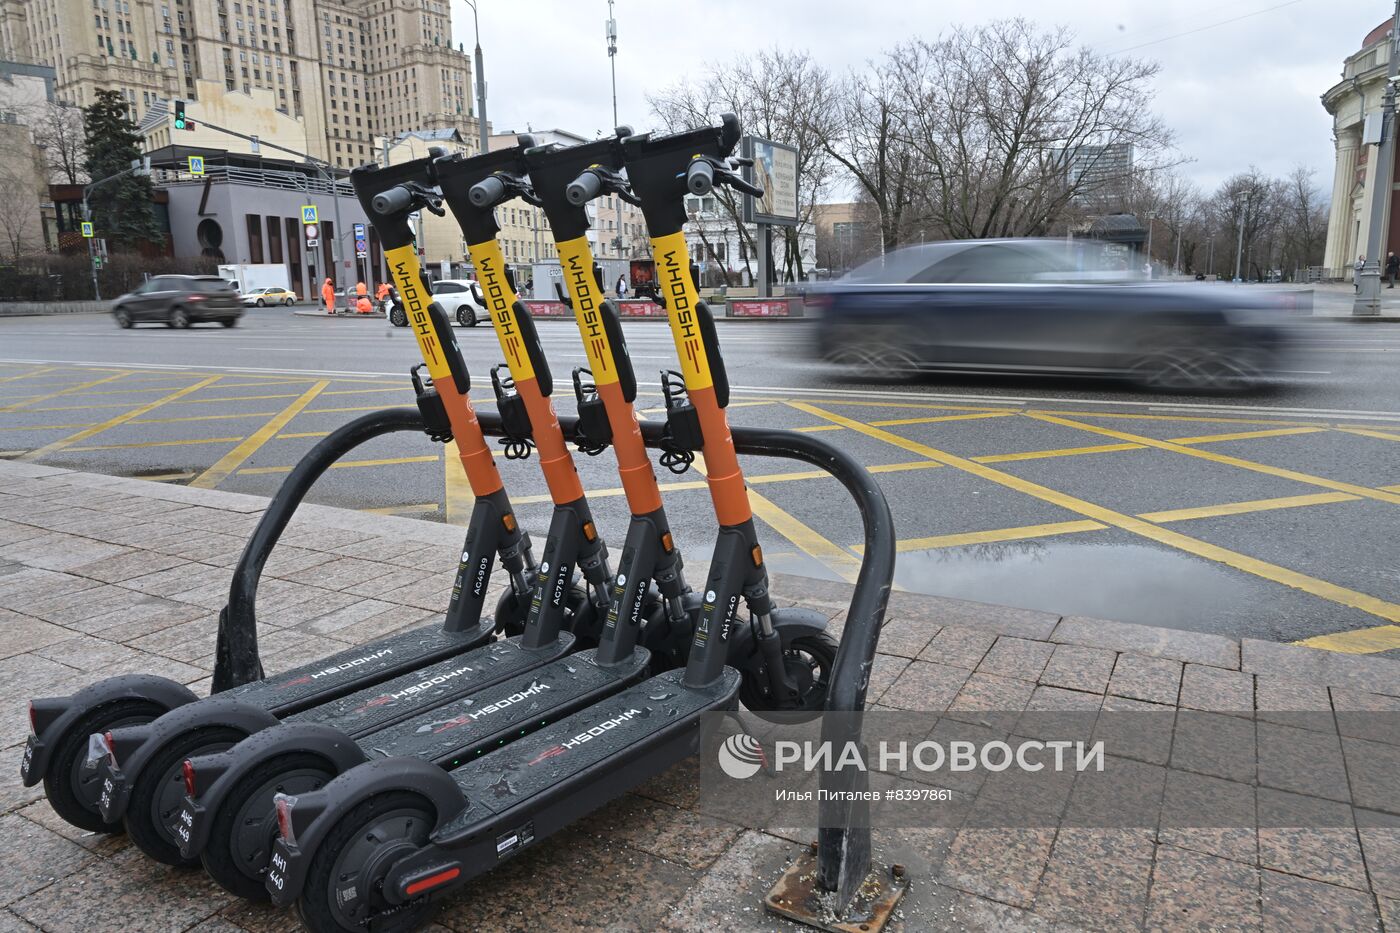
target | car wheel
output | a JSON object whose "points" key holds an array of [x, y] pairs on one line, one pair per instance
{"points": [[123, 317], [179, 318], [398, 317], [1186, 362], [230, 322], [289, 302], [466, 316], [261, 303]]}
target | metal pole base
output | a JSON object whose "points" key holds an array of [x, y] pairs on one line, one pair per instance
{"points": [[797, 897]]}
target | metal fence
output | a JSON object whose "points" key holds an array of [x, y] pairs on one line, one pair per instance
{"points": [[262, 178]]}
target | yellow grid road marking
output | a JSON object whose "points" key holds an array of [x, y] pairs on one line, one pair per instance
{"points": [[235, 458], [167, 477], [29, 375], [339, 465], [15, 406], [183, 443], [328, 411], [47, 427], [1061, 452], [998, 534], [1243, 435], [1226, 460], [1372, 432], [242, 414], [1358, 641], [457, 490], [1089, 510], [296, 434], [1253, 505], [419, 508], [123, 418], [237, 398]]}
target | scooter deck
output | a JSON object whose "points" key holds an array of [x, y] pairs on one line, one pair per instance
{"points": [[460, 731], [373, 708], [295, 690], [357, 713]]}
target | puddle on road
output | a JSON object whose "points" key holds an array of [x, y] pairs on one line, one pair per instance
{"points": [[1125, 582]]}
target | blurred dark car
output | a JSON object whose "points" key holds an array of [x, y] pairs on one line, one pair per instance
{"points": [[1047, 306], [179, 301]]}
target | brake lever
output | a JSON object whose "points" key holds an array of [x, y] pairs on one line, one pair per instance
{"points": [[735, 181]]}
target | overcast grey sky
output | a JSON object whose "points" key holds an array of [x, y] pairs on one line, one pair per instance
{"points": [[1245, 92]]}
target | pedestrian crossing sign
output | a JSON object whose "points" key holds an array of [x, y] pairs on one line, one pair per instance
{"points": [[308, 214], [87, 229], [196, 165]]}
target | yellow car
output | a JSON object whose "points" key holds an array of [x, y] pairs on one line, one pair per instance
{"points": [[271, 295]]}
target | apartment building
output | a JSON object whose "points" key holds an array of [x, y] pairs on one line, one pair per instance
{"points": [[347, 70]]}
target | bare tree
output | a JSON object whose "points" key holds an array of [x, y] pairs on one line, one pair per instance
{"points": [[785, 96], [58, 129]]}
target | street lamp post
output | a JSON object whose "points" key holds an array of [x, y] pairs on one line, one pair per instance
{"points": [[1239, 245], [1368, 293], [480, 81], [612, 56]]}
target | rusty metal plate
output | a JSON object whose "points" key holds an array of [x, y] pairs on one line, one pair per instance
{"points": [[796, 897]]}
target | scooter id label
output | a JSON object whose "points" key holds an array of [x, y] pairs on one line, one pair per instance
{"points": [[30, 747]]}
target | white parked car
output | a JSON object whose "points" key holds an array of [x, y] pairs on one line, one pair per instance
{"points": [[460, 299]]}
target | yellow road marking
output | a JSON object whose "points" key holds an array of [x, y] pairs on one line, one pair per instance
{"points": [[242, 414], [235, 458], [1253, 505], [1357, 641], [1062, 452], [1312, 585], [1395, 488], [999, 534], [47, 427], [15, 406], [328, 411], [29, 375], [167, 477], [237, 398], [415, 509], [806, 539], [341, 465], [1243, 435], [814, 428], [457, 490], [119, 419], [1372, 432], [295, 434], [932, 419], [1226, 460], [405, 389], [202, 440], [8, 454]]}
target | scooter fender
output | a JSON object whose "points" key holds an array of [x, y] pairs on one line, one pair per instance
{"points": [[54, 716], [313, 816], [743, 641], [217, 775], [133, 748]]}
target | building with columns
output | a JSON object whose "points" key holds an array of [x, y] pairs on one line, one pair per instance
{"points": [[1351, 101]]}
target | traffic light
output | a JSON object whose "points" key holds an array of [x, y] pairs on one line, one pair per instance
{"points": [[179, 114]]}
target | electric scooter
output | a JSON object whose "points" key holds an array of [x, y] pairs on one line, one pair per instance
{"points": [[142, 767], [796, 653], [228, 819]]}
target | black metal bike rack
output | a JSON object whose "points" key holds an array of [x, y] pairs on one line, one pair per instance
{"points": [[844, 852]]}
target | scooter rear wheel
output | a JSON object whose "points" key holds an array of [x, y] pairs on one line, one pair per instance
{"points": [[342, 891], [159, 791], [512, 611], [71, 786], [241, 836]]}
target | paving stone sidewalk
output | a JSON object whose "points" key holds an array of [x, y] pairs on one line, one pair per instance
{"points": [[102, 575]]}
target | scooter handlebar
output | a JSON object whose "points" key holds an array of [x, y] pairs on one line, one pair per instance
{"points": [[584, 188], [700, 177], [396, 199], [487, 193]]}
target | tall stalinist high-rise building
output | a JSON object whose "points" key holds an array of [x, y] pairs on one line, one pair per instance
{"points": [[349, 70]]}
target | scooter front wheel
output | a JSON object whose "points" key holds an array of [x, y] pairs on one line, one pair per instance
{"points": [[808, 658], [344, 881]]}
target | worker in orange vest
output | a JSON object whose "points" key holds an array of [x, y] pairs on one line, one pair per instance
{"points": [[360, 289], [382, 291], [362, 305], [328, 295]]}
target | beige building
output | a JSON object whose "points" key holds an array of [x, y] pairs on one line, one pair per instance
{"points": [[347, 70], [1354, 102], [26, 213]]}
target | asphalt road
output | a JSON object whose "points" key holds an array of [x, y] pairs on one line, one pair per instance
{"points": [[1270, 516]]}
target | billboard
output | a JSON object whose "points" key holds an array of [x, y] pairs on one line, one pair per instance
{"points": [[774, 170]]}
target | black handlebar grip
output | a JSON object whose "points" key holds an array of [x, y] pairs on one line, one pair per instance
{"points": [[487, 193], [584, 188], [700, 177], [396, 199]]}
